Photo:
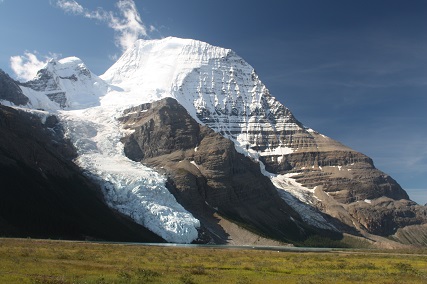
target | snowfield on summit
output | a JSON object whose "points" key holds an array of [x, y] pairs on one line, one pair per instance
{"points": [[232, 153]]}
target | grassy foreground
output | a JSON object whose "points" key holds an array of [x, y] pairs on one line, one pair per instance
{"points": [[44, 261]]}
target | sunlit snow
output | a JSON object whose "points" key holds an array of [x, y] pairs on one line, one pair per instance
{"points": [[89, 118], [201, 78], [130, 187]]}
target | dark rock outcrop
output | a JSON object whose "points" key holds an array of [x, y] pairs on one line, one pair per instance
{"points": [[58, 98], [412, 235], [10, 90], [44, 81], [346, 179], [384, 216], [44, 194], [206, 174], [343, 173]]}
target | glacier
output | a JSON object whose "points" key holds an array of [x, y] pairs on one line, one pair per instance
{"points": [[216, 86], [129, 187], [222, 91]]}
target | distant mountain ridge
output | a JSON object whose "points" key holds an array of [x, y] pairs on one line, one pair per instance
{"points": [[326, 186]]}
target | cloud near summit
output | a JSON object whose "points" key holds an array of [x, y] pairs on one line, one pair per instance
{"points": [[128, 25], [26, 66]]}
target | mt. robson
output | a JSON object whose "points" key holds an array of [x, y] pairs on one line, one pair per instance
{"points": [[183, 139]]}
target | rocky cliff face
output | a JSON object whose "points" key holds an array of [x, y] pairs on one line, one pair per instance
{"points": [[343, 180], [206, 173], [10, 90], [205, 169], [228, 97], [384, 216]]}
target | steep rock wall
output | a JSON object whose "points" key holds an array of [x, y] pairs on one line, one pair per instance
{"points": [[206, 173]]}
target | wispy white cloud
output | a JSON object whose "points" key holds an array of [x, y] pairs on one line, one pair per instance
{"points": [[153, 29], [127, 25], [26, 66], [113, 57], [70, 6], [130, 27]]}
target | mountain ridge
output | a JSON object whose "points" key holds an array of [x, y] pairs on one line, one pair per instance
{"points": [[328, 184]]}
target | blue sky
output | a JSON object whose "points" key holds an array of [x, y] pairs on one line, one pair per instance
{"points": [[353, 70]]}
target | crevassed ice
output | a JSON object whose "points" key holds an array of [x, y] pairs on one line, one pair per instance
{"points": [[129, 187]]}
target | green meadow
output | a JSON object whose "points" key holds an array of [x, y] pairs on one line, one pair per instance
{"points": [[46, 261]]}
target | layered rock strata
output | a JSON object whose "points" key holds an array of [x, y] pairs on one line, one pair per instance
{"points": [[206, 173]]}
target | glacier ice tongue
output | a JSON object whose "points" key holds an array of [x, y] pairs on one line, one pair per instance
{"points": [[129, 187], [88, 107]]}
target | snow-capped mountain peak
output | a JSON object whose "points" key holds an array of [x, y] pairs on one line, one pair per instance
{"points": [[64, 84], [219, 90], [216, 86], [155, 69], [155, 64], [66, 67]]}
